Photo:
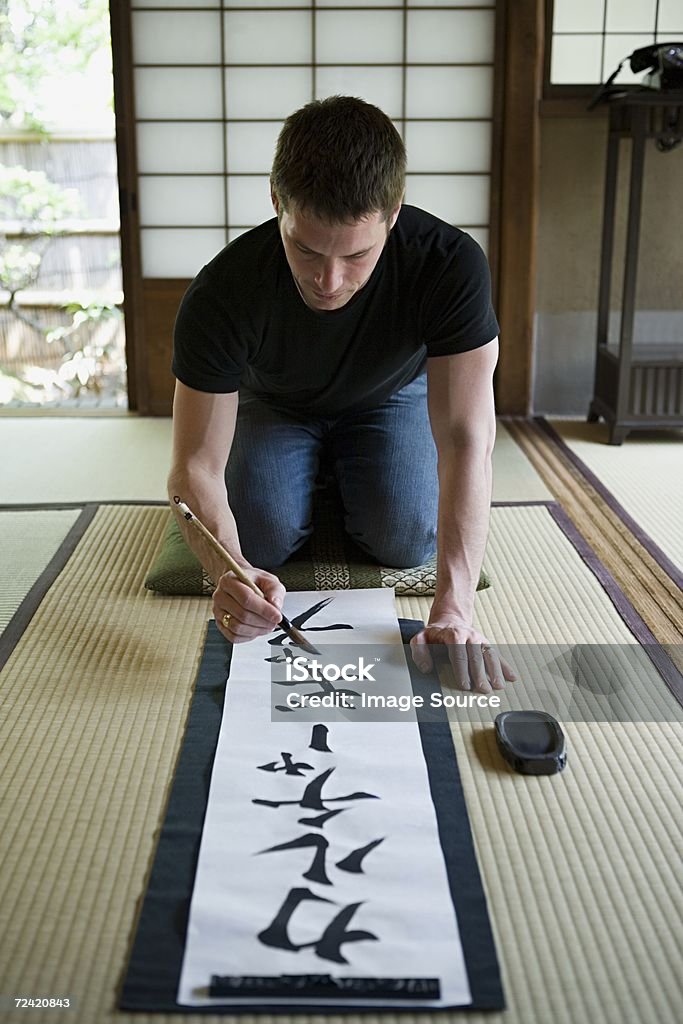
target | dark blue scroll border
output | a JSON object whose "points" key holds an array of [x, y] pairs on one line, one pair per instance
{"points": [[151, 981]]}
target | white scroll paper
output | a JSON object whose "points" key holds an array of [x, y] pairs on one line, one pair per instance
{"points": [[366, 885]]}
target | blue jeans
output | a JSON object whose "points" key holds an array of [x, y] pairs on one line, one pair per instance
{"points": [[384, 461]]}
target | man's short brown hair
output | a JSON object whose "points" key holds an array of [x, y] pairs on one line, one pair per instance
{"points": [[341, 159]]}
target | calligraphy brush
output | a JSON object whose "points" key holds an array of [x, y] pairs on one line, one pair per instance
{"points": [[292, 632]]}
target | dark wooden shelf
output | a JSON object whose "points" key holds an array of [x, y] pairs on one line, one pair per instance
{"points": [[649, 353], [636, 384]]}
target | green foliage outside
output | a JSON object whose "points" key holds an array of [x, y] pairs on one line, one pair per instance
{"points": [[39, 40], [43, 43], [30, 208]]}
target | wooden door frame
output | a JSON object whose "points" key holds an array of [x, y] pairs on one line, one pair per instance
{"points": [[520, 44], [518, 76], [126, 156]]}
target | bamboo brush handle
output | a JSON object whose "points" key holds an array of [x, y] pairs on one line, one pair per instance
{"points": [[295, 634], [218, 548]]}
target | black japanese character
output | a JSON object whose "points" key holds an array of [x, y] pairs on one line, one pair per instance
{"points": [[328, 946], [299, 620], [289, 767], [312, 800], [317, 872], [319, 739]]}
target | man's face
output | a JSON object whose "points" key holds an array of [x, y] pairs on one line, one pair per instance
{"points": [[331, 262]]}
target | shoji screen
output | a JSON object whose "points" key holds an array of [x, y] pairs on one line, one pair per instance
{"points": [[213, 82]]}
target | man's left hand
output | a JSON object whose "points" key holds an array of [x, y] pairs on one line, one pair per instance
{"points": [[476, 664]]}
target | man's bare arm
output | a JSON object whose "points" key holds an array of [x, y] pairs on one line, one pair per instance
{"points": [[462, 415], [203, 432]]}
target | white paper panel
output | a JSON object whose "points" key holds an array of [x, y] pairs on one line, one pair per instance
{"points": [[381, 86], [175, 3], [267, 3], [180, 147], [355, 3], [449, 92], [266, 92], [251, 147], [618, 47], [631, 16], [191, 200], [444, 37], [576, 60], [235, 892], [448, 146], [178, 92], [670, 20], [267, 37], [450, 3], [234, 233], [249, 201], [460, 200], [363, 37], [176, 37], [178, 252], [578, 15]]}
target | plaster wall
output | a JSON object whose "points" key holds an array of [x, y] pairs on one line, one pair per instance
{"points": [[573, 152]]}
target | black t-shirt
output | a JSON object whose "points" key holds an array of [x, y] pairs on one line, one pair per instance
{"points": [[242, 324]]}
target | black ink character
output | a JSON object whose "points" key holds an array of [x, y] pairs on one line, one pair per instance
{"points": [[279, 659], [289, 767], [299, 620], [317, 871], [312, 800], [319, 739], [328, 946]]}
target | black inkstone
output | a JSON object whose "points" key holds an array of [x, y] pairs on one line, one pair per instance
{"points": [[532, 742]]}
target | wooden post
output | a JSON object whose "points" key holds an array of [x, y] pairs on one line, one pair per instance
{"points": [[523, 45]]}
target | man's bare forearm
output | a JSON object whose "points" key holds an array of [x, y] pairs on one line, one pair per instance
{"points": [[207, 498], [464, 505]]}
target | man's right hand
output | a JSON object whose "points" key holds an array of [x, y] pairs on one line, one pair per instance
{"points": [[249, 615]]}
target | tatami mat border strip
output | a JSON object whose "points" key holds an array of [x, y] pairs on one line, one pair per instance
{"points": [[648, 543], [28, 607], [52, 506], [536, 503], [648, 587], [654, 650]]}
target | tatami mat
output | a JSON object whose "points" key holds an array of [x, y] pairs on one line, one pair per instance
{"points": [[647, 577], [543, 591], [127, 458], [93, 458], [644, 474], [579, 868], [29, 540], [514, 478]]}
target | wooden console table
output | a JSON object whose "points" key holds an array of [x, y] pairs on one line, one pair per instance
{"points": [[637, 384]]}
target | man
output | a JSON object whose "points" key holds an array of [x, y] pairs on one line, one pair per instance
{"points": [[354, 326]]}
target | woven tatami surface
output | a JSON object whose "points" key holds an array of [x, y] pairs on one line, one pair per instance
{"points": [[579, 868], [29, 540], [644, 474], [71, 459], [640, 573]]}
